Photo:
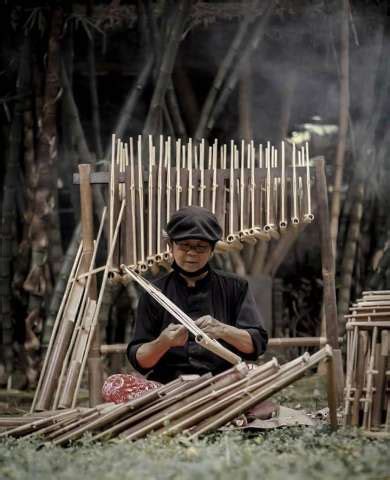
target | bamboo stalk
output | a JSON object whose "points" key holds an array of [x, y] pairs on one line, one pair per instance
{"points": [[99, 302], [55, 328]]}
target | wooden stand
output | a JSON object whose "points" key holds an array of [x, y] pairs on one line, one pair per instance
{"points": [[327, 258], [328, 274], [95, 371]]}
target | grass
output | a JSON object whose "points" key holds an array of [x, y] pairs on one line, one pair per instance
{"points": [[294, 453]]}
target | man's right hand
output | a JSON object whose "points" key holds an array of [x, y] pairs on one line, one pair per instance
{"points": [[174, 335]]}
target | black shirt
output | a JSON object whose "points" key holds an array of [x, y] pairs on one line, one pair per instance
{"points": [[225, 296]]}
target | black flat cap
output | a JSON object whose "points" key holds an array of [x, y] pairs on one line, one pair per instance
{"points": [[194, 222]]}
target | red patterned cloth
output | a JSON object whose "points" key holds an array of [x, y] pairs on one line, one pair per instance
{"points": [[121, 387]]}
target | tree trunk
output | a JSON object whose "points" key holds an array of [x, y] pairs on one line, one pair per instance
{"points": [[38, 281], [222, 73], [94, 97], [187, 97], [8, 212], [371, 109], [165, 73], [125, 115], [343, 123], [79, 137], [251, 46], [280, 251], [245, 103], [349, 254]]}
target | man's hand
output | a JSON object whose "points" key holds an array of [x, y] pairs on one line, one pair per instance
{"points": [[210, 326], [174, 335]]}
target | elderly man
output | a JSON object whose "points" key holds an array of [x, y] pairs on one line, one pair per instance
{"points": [[220, 303]]}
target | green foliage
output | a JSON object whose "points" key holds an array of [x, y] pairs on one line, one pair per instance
{"points": [[294, 453]]}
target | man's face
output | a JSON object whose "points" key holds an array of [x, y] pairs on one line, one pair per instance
{"points": [[191, 255]]}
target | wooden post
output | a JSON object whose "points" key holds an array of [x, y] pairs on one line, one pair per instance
{"points": [[95, 374], [332, 391], [328, 272]]}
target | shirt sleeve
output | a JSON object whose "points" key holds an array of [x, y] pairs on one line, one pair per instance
{"points": [[249, 318], [147, 328]]}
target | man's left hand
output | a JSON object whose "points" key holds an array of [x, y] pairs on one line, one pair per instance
{"points": [[210, 326]]}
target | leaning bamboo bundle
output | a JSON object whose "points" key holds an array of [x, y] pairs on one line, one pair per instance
{"points": [[367, 389], [192, 405]]}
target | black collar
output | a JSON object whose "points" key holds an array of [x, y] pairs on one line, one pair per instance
{"points": [[201, 283]]}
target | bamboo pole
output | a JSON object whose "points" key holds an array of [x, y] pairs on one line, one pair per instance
{"points": [[343, 121], [79, 328], [94, 321], [55, 328], [95, 373]]}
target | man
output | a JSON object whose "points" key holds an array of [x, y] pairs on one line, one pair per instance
{"points": [[219, 303]]}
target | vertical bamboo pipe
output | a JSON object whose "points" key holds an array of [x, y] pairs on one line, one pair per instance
{"points": [[328, 272], [95, 373]]}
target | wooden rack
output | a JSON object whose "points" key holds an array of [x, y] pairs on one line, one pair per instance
{"points": [[367, 389], [256, 195]]}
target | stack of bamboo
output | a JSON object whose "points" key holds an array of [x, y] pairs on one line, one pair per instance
{"points": [[192, 405], [367, 390]]}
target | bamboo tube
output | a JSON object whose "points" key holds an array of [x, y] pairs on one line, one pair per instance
{"points": [[361, 360], [190, 184], [283, 204], [87, 228], [380, 363], [70, 425], [64, 434], [48, 430], [112, 186], [368, 325], [201, 168], [214, 184], [150, 209], [351, 368], [99, 301], [178, 167], [167, 254], [159, 256], [65, 402], [142, 266], [55, 327], [273, 343], [35, 424], [308, 217], [331, 386], [132, 199], [270, 227], [367, 409], [61, 342], [294, 218]]}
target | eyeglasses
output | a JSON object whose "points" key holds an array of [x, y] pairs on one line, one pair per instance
{"points": [[186, 247]]}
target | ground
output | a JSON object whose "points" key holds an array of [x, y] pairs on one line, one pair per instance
{"points": [[292, 453]]}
